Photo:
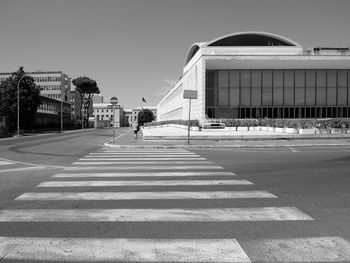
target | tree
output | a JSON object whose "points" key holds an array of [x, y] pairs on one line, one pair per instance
{"points": [[144, 116], [29, 99], [87, 88]]}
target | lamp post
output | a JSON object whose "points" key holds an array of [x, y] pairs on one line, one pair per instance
{"points": [[18, 102], [18, 99]]}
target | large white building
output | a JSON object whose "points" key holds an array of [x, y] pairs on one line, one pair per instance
{"points": [[258, 75]]}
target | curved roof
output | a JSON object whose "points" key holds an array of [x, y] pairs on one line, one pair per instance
{"points": [[251, 39], [193, 50]]}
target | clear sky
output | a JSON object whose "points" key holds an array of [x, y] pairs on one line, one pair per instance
{"points": [[137, 48]]}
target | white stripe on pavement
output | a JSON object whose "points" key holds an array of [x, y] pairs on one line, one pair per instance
{"points": [[131, 167], [143, 215], [121, 250], [22, 169], [141, 174], [54, 196], [144, 152], [5, 163], [315, 249], [143, 155], [140, 162], [144, 159], [143, 183]]}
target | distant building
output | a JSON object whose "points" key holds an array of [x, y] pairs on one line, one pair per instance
{"points": [[49, 113], [97, 98], [128, 114], [76, 102], [260, 75], [103, 114], [53, 84], [54, 87], [135, 112]]}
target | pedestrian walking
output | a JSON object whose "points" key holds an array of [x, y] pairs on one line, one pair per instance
{"points": [[136, 128]]}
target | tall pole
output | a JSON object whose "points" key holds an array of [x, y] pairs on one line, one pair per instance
{"points": [[18, 103], [61, 113], [113, 121], [189, 119]]}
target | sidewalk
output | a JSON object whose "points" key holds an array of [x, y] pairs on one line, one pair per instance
{"points": [[235, 140]]}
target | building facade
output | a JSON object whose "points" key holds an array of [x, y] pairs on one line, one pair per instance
{"points": [[261, 75], [103, 114], [135, 112], [55, 88], [49, 113], [53, 84], [97, 98]]}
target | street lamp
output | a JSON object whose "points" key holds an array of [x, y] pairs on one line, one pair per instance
{"points": [[18, 102], [18, 99]]}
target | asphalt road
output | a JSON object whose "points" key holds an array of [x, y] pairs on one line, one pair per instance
{"points": [[314, 182]]}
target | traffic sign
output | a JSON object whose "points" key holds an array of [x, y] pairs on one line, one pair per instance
{"points": [[114, 100]]}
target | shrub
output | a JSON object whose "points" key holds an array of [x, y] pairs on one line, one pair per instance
{"points": [[194, 123]]}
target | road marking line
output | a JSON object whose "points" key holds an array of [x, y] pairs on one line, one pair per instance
{"points": [[143, 154], [316, 249], [22, 169], [141, 174], [122, 250], [143, 159], [131, 167], [5, 163], [54, 196], [141, 162], [32, 164], [146, 215], [143, 183]]}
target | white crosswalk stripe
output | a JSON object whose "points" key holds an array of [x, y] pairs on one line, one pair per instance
{"points": [[148, 167], [145, 215], [142, 195], [145, 159], [157, 168], [142, 174], [5, 162], [141, 162], [122, 250], [143, 183]]}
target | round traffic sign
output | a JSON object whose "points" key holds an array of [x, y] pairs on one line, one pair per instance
{"points": [[114, 100]]}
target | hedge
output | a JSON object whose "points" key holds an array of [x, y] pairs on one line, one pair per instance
{"points": [[194, 123], [280, 123]]}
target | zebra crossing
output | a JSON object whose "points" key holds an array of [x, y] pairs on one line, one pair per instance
{"points": [[88, 178]]}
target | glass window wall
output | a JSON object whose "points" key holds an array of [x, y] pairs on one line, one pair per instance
{"points": [[267, 87], [278, 87], [278, 93]]}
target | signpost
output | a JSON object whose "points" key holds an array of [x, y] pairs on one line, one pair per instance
{"points": [[189, 94], [114, 102]]}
